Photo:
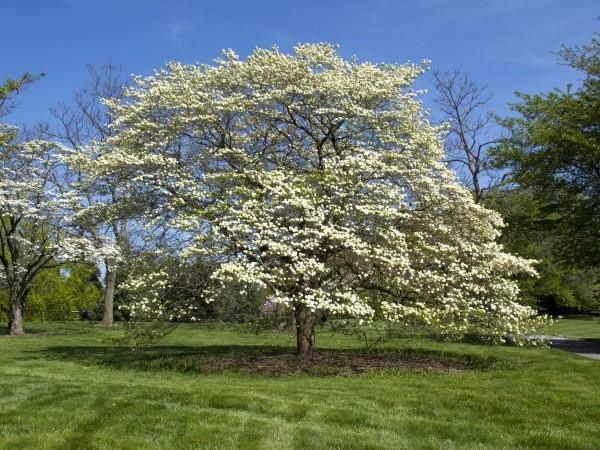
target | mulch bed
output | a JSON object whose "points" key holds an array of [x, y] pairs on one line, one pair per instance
{"points": [[329, 363]]}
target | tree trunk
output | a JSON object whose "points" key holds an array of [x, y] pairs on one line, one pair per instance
{"points": [[109, 295], [305, 330], [15, 315]]}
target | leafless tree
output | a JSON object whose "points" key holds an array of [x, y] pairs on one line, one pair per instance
{"points": [[464, 105], [81, 122]]}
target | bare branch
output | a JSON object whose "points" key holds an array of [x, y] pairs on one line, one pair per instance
{"points": [[464, 106]]}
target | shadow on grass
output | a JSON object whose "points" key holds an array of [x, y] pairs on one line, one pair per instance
{"points": [[57, 328], [273, 360]]}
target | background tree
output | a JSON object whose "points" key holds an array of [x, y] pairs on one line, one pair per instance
{"points": [[554, 152], [83, 125], [64, 292], [472, 128], [562, 286], [38, 220], [320, 180], [39, 213]]}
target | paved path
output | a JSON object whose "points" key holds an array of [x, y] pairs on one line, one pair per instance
{"points": [[581, 347]]}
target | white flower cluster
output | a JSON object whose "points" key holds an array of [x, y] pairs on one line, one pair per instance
{"points": [[155, 296], [147, 290]]}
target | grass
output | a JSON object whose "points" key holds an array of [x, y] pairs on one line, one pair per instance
{"points": [[70, 385], [578, 327]]}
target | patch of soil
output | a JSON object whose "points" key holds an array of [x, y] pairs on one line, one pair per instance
{"points": [[329, 363]]}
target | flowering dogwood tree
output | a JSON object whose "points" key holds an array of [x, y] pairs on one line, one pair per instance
{"points": [[321, 180], [39, 217]]}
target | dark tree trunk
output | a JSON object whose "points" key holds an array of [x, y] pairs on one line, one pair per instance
{"points": [[305, 330], [15, 315], [109, 295]]}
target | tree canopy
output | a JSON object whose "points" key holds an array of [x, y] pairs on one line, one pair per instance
{"points": [[321, 181], [554, 151]]}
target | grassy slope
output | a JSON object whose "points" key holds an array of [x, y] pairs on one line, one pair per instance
{"points": [[69, 386]]}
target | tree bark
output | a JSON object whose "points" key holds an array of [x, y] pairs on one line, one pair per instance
{"points": [[109, 296], [15, 315], [305, 330]]}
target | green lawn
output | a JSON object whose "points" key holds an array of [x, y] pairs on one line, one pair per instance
{"points": [[581, 327], [70, 385]]}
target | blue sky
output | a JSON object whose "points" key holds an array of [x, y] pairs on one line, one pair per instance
{"points": [[504, 44]]}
